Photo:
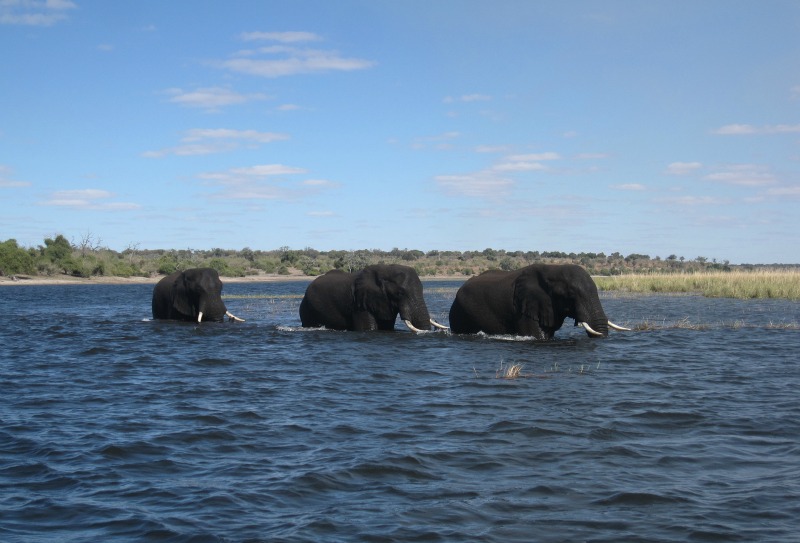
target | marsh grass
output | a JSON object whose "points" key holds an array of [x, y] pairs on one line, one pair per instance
{"points": [[512, 371], [736, 284], [686, 324]]}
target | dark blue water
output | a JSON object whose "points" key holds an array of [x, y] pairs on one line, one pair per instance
{"points": [[117, 428]]}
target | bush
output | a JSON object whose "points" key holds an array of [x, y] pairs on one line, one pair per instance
{"points": [[14, 259]]}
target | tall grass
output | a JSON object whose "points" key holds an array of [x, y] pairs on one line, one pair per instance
{"points": [[735, 284]]}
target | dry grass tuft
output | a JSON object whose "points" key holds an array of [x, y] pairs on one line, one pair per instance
{"points": [[513, 371]]}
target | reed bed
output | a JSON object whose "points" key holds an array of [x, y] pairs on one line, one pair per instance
{"points": [[735, 284]]}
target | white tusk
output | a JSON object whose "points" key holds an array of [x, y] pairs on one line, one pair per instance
{"points": [[233, 317], [411, 327], [439, 326], [618, 327], [199, 316], [590, 330]]}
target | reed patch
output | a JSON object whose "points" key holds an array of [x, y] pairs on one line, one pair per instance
{"points": [[745, 285]]}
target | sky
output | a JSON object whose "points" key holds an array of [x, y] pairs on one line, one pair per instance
{"points": [[660, 127]]}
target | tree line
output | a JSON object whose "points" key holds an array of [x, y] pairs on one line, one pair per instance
{"points": [[87, 257]]}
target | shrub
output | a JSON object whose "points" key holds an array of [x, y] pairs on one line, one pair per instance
{"points": [[14, 259]]}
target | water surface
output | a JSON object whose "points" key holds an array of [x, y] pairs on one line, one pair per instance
{"points": [[114, 427]]}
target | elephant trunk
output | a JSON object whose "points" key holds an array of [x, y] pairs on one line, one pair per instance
{"points": [[210, 309], [594, 320], [415, 314]]}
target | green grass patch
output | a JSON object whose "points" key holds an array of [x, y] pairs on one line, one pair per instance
{"points": [[744, 285]]}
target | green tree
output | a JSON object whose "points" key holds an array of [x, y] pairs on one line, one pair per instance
{"points": [[14, 259]]}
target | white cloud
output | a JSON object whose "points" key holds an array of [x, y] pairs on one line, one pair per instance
{"points": [[519, 166], [683, 168], [321, 214], [91, 199], [263, 170], [283, 37], [693, 200], [745, 175], [630, 186], [264, 182], [525, 163], [284, 60], [205, 141], [7, 182], [466, 98], [483, 184], [748, 129], [791, 192], [34, 12], [534, 157], [492, 149], [211, 98]]}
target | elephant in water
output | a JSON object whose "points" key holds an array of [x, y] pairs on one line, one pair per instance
{"points": [[367, 300], [191, 295], [530, 301]]}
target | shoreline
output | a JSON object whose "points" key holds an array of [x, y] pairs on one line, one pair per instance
{"points": [[36, 280]]}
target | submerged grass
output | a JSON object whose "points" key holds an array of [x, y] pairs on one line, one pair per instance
{"points": [[736, 284]]}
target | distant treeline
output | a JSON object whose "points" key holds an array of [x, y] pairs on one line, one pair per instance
{"points": [[87, 257]]}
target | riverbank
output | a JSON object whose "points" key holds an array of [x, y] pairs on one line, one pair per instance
{"points": [[21, 280], [759, 284]]}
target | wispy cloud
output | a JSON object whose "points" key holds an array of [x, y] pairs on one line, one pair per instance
{"points": [[683, 168], [88, 199], [34, 12], [693, 200], [749, 129], [7, 182], [484, 184], [745, 175], [211, 98], [439, 141], [264, 182], [205, 141], [785, 192], [525, 163], [282, 37], [280, 59], [466, 98], [630, 186]]}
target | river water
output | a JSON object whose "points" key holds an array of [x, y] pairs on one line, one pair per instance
{"points": [[114, 427]]}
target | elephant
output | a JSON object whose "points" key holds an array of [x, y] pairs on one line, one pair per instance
{"points": [[531, 301], [366, 300], [191, 295]]}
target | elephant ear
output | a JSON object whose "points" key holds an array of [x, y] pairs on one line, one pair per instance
{"points": [[180, 296], [369, 295], [532, 300]]}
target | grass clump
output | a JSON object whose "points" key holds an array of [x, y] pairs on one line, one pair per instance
{"points": [[758, 284]]}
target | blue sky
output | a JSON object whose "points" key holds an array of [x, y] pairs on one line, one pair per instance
{"points": [[616, 126]]}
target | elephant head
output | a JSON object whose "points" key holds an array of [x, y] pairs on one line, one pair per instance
{"points": [[549, 294], [367, 300], [532, 301], [194, 295], [384, 291]]}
